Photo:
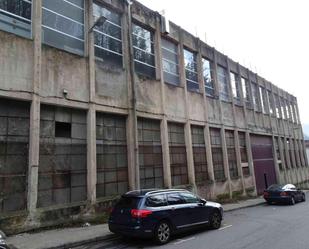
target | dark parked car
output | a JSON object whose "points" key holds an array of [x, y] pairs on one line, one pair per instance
{"points": [[160, 213], [3, 244], [287, 193]]}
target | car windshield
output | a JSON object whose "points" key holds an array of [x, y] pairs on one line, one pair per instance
{"points": [[128, 202], [275, 187]]}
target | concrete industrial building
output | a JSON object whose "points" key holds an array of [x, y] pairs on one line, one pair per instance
{"points": [[91, 107]]}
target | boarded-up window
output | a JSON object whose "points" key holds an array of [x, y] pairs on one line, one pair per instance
{"points": [[231, 153], [178, 158], [217, 155], [150, 153], [63, 156], [243, 153], [112, 165], [14, 141], [199, 154]]}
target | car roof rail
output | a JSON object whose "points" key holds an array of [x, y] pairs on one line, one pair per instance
{"points": [[165, 190]]}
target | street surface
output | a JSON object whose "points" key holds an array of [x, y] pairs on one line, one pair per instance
{"points": [[261, 227]]}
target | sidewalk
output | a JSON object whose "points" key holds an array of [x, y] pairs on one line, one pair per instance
{"points": [[69, 237]]}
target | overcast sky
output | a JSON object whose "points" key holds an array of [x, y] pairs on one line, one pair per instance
{"points": [[271, 37]]}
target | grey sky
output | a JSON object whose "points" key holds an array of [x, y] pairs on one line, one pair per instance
{"points": [[271, 37]]}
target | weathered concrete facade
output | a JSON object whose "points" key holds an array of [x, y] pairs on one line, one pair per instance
{"points": [[86, 130]]}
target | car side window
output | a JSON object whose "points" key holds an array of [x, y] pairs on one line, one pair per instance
{"points": [[175, 199], [190, 198], [156, 201]]}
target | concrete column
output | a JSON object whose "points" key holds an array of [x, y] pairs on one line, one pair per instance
{"points": [[34, 132], [166, 154], [226, 161], [189, 150], [277, 170], [302, 159], [91, 155], [238, 158], [282, 156], [34, 148], [250, 160], [210, 167]]}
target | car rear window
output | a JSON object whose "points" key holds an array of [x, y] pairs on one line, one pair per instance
{"points": [[275, 187], [128, 202]]}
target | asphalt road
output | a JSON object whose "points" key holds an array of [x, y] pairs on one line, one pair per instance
{"points": [[261, 227]]}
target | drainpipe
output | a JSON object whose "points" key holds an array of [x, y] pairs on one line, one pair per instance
{"points": [[133, 89]]}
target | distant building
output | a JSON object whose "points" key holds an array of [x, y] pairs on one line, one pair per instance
{"points": [[88, 112]]}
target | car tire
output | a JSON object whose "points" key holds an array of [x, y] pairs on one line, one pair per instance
{"points": [[163, 232], [269, 202], [303, 198], [215, 220], [292, 201]]}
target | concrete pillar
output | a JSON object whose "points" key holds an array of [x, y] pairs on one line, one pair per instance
{"points": [[166, 154], [163, 126], [226, 160], [34, 132], [277, 170], [133, 177], [189, 150], [210, 166], [282, 156], [91, 155], [250, 160], [238, 158], [34, 148], [302, 159]]}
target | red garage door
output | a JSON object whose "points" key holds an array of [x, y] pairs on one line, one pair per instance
{"points": [[263, 160]]}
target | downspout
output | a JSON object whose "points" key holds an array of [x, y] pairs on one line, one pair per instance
{"points": [[133, 89]]}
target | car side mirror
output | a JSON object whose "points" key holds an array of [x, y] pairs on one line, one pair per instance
{"points": [[203, 202]]}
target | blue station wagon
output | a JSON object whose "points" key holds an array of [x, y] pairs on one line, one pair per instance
{"points": [[159, 214]]}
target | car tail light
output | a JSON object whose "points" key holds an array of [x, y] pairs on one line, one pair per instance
{"points": [[283, 194], [140, 213], [266, 194]]}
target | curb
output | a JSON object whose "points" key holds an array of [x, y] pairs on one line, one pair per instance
{"points": [[248, 206], [106, 237]]}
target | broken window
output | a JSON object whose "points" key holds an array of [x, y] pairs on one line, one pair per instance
{"points": [[208, 77], [63, 25], [107, 36], [14, 141], [246, 92], [143, 46], [150, 153], [63, 156], [278, 153], [255, 94], [112, 162], [199, 154], [170, 62], [231, 153], [178, 156], [62, 129], [223, 83], [15, 16], [191, 70], [243, 153], [217, 154], [235, 87], [270, 102]]}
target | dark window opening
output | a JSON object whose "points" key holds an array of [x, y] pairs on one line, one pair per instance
{"points": [[63, 129]]}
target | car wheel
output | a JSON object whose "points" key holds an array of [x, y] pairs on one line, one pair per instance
{"points": [[163, 232], [292, 202], [215, 220], [303, 197]]}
